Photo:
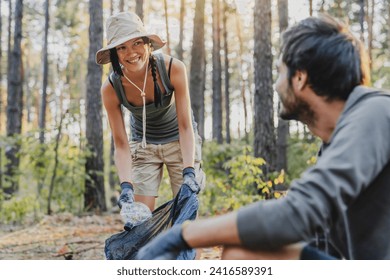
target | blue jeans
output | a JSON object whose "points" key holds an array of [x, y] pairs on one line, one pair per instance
{"points": [[311, 253]]}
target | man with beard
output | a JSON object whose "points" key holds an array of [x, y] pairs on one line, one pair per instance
{"points": [[343, 200]]}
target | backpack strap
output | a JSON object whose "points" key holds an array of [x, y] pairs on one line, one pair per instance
{"points": [[163, 72]]}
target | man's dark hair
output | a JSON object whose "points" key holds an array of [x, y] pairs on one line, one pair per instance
{"points": [[335, 61]]}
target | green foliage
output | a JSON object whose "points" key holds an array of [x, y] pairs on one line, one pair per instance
{"points": [[36, 172], [301, 154], [16, 209], [234, 178], [215, 155]]}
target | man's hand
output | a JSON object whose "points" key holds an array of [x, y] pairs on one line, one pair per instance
{"points": [[165, 246], [190, 180], [127, 194]]}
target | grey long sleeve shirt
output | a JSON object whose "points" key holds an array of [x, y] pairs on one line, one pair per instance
{"points": [[346, 194]]}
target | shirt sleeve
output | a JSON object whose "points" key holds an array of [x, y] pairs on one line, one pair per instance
{"points": [[358, 151]]}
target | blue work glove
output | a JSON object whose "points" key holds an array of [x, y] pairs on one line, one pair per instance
{"points": [[127, 194], [166, 246], [190, 180]]}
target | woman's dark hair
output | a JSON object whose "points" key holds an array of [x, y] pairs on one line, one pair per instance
{"points": [[116, 67], [335, 61]]}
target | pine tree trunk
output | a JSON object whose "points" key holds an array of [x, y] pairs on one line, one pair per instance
{"points": [[56, 160], [283, 126], [198, 65], [243, 81], [167, 27], [370, 22], [264, 139], [227, 75], [42, 111], [139, 8], [112, 177], [217, 70], [1, 95], [94, 196], [361, 19], [14, 102], [179, 49]]}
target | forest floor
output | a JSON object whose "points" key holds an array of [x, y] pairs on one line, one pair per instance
{"points": [[65, 236]]}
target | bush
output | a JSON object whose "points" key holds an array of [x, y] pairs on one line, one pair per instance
{"points": [[234, 178], [17, 209]]}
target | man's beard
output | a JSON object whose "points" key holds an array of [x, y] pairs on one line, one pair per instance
{"points": [[296, 109]]}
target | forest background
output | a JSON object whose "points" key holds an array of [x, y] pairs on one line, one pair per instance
{"points": [[56, 151]]}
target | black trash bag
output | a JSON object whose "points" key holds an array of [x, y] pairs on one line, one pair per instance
{"points": [[126, 244]]}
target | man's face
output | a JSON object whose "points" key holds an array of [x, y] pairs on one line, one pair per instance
{"points": [[292, 107]]}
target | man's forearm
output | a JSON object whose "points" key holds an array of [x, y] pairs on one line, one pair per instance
{"points": [[220, 230]]}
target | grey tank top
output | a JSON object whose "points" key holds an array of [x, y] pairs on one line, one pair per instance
{"points": [[161, 122]]}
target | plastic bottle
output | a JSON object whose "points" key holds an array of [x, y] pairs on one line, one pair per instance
{"points": [[134, 214]]}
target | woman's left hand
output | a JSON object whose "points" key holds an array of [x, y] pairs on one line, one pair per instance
{"points": [[190, 180]]}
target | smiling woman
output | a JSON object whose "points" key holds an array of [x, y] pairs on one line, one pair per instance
{"points": [[153, 87]]}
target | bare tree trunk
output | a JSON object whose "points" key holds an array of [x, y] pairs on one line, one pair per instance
{"points": [[94, 196], [217, 81], [322, 7], [14, 103], [112, 181], [339, 10], [54, 175], [42, 108], [388, 24], [310, 7], [9, 39], [283, 126], [112, 177], [1, 94], [227, 75], [139, 8], [264, 139], [198, 66], [42, 111], [179, 49], [167, 27], [241, 70], [361, 19], [27, 88], [370, 21]]}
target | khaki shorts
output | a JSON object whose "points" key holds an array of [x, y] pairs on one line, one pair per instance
{"points": [[148, 166]]}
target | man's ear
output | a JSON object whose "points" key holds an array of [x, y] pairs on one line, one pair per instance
{"points": [[299, 80]]}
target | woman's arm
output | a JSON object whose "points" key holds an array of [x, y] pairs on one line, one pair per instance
{"points": [[183, 109], [122, 154]]}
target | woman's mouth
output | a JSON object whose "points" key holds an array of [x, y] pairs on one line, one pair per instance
{"points": [[133, 60]]}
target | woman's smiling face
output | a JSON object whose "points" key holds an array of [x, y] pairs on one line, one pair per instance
{"points": [[133, 54]]}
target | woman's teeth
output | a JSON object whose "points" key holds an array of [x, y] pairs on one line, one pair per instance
{"points": [[133, 60]]}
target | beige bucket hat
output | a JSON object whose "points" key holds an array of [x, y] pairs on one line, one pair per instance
{"points": [[122, 27]]}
